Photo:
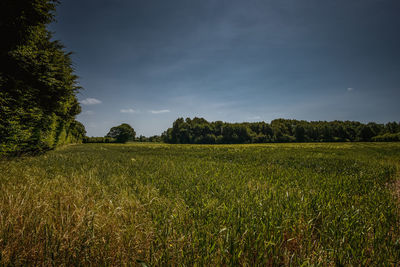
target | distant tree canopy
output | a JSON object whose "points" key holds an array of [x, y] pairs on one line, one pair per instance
{"points": [[200, 131], [94, 139], [38, 101], [122, 133], [141, 138], [153, 138]]}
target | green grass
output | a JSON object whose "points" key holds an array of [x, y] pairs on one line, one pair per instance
{"points": [[270, 204]]}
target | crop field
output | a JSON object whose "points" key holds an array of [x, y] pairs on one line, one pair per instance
{"points": [[203, 205]]}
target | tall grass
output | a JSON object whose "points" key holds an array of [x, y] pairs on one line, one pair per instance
{"points": [[108, 204]]}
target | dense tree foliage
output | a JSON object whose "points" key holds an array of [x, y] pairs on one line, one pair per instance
{"points": [[153, 138], [38, 104], [387, 137], [141, 138], [100, 139], [122, 133], [200, 131]]}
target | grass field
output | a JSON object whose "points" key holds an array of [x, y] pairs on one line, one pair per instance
{"points": [[270, 204]]}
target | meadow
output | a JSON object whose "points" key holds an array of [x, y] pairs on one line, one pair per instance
{"points": [[202, 205]]}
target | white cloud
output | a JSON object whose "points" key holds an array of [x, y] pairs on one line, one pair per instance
{"points": [[88, 112], [128, 110], [160, 111], [350, 89], [90, 101]]}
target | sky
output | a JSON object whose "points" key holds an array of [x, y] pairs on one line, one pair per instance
{"points": [[148, 62]]}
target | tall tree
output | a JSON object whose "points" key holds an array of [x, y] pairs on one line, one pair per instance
{"points": [[122, 133], [38, 104]]}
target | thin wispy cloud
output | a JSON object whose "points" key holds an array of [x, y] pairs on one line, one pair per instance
{"points": [[128, 110], [350, 89], [159, 111], [91, 101], [88, 112]]}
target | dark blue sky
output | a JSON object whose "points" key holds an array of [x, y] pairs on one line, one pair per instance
{"points": [[149, 62]]}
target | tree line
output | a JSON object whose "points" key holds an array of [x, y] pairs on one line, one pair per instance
{"points": [[105, 139], [38, 102], [121, 134], [200, 131]]}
